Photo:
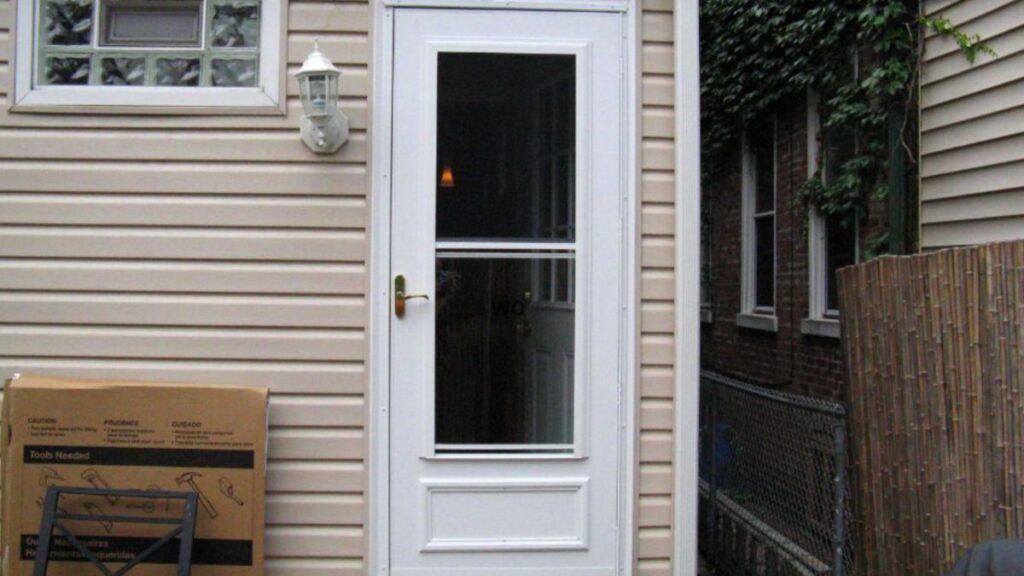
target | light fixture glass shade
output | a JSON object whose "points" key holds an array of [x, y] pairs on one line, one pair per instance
{"points": [[319, 94], [318, 84], [447, 178]]}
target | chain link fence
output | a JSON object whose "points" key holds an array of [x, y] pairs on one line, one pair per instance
{"points": [[774, 482]]}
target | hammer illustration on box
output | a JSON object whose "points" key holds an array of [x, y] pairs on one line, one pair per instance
{"points": [[93, 477], [190, 479]]}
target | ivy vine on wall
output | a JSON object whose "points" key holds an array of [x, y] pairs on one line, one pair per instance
{"points": [[757, 53]]}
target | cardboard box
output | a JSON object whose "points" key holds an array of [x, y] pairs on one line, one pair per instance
{"points": [[210, 439]]}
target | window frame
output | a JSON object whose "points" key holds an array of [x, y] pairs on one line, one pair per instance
{"points": [[821, 320], [752, 315], [266, 98]]}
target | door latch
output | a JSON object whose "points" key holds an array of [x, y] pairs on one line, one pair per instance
{"points": [[401, 296]]}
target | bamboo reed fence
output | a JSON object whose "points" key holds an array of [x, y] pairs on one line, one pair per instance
{"points": [[935, 352]]}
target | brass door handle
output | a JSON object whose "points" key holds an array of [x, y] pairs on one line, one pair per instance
{"points": [[401, 296]]}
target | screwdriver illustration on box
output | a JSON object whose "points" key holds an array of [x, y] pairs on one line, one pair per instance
{"points": [[228, 489], [93, 477]]}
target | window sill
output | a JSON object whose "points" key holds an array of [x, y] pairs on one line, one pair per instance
{"points": [[147, 100], [762, 322], [824, 327], [705, 316]]}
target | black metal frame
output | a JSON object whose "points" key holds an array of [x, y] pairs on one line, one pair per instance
{"points": [[183, 527]]}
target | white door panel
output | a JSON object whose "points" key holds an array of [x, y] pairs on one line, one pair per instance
{"points": [[507, 187]]}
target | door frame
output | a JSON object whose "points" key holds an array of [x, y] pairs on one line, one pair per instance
{"points": [[379, 292]]}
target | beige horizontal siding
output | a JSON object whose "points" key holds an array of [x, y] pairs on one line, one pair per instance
{"points": [[657, 286], [964, 11], [1003, 98], [986, 206], [947, 60], [192, 210], [165, 310], [181, 243], [199, 177], [993, 126], [191, 145], [981, 77], [972, 120], [209, 249], [192, 343], [973, 231], [101, 275]]}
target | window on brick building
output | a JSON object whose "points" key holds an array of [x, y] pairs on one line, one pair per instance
{"points": [[832, 241], [759, 188]]}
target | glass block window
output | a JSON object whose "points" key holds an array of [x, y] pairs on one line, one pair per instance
{"points": [[167, 43]]}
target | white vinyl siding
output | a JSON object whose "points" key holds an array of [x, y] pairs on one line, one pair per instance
{"points": [[208, 249], [972, 122]]}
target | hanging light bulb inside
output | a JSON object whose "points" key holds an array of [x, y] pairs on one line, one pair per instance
{"points": [[447, 178]]}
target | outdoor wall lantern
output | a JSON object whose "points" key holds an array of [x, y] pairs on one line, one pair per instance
{"points": [[324, 127]]}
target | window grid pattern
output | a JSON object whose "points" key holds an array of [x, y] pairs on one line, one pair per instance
{"points": [[71, 50]]}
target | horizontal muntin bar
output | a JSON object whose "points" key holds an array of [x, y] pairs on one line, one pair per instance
{"points": [[448, 448], [504, 246], [509, 255]]}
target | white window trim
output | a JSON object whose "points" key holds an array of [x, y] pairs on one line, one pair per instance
{"points": [[753, 316], [266, 96], [820, 320]]}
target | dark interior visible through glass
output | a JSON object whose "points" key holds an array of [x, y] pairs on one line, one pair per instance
{"points": [[842, 251], [764, 230], [762, 143], [505, 320], [506, 135], [504, 362]]}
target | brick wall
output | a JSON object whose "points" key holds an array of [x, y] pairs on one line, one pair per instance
{"points": [[798, 362]]}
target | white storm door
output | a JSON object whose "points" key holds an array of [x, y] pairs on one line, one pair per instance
{"points": [[507, 357]]}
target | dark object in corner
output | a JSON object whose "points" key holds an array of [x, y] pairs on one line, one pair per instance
{"points": [[992, 558]]}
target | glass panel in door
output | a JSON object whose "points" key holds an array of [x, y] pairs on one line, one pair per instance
{"points": [[505, 324]]}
